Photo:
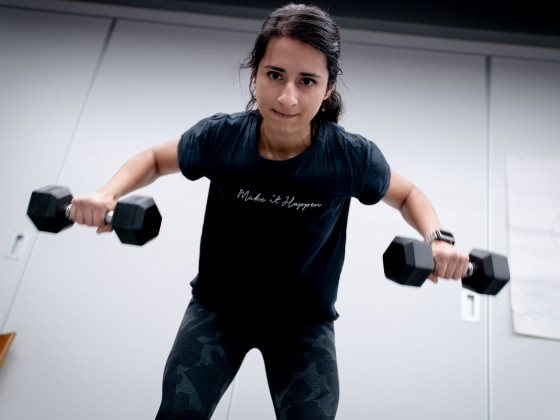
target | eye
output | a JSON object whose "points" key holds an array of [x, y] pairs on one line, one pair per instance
{"points": [[274, 75], [307, 81]]}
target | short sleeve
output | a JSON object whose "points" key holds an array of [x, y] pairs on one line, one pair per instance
{"points": [[193, 146], [377, 176]]}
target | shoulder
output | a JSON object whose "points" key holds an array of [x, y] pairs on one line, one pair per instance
{"points": [[237, 118], [355, 144], [221, 121], [367, 171], [213, 139], [220, 128]]}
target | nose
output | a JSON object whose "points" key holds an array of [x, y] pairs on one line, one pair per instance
{"points": [[288, 97]]}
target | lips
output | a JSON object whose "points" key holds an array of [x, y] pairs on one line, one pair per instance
{"points": [[282, 115]]}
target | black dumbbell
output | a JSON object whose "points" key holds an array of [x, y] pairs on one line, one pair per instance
{"points": [[136, 219], [409, 262]]}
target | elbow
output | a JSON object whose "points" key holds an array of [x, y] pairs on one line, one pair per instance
{"points": [[401, 193], [411, 193], [157, 169], [164, 158], [147, 160]]}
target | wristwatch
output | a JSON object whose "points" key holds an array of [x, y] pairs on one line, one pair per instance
{"points": [[440, 235]]}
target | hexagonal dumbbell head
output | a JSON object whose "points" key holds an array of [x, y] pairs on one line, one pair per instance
{"points": [[408, 261], [47, 208], [490, 272], [136, 220]]}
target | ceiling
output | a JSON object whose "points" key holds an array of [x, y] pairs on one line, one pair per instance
{"points": [[530, 23]]}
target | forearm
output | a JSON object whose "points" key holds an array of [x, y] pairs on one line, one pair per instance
{"points": [[414, 206], [142, 170], [418, 211], [137, 172]]}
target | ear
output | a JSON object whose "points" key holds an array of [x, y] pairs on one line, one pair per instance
{"points": [[254, 81], [329, 91]]}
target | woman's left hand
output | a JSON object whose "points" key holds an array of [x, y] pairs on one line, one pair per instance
{"points": [[450, 263]]}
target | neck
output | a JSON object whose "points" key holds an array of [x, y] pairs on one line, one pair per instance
{"points": [[275, 146]]}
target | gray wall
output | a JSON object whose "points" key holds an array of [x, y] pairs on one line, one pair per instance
{"points": [[83, 88]]}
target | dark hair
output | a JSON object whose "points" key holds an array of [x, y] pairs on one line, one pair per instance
{"points": [[310, 25]]}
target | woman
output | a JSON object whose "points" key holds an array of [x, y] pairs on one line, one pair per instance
{"points": [[272, 248]]}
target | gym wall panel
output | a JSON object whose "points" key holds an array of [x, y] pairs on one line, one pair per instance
{"points": [[406, 352], [47, 63], [106, 313], [525, 121]]}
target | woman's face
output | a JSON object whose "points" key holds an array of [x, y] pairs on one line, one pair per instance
{"points": [[290, 84]]}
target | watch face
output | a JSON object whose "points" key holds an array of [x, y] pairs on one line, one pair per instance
{"points": [[446, 236]]}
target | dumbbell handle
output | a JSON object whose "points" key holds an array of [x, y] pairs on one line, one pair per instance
{"points": [[470, 270], [108, 215]]}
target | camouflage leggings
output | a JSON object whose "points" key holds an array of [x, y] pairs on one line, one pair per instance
{"points": [[300, 366]]}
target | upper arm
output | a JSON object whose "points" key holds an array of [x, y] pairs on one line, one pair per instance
{"points": [[166, 157], [399, 190]]}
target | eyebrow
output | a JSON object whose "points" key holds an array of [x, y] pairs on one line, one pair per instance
{"points": [[280, 69]]}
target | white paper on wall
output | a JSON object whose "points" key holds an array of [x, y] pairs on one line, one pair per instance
{"points": [[533, 198]]}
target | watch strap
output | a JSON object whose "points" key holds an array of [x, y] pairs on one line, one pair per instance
{"points": [[440, 235]]}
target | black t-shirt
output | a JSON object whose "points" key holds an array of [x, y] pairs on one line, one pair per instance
{"points": [[274, 232]]}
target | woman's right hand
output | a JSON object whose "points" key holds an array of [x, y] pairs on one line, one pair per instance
{"points": [[91, 209]]}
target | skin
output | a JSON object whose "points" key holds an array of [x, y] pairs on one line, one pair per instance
{"points": [[291, 83]]}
